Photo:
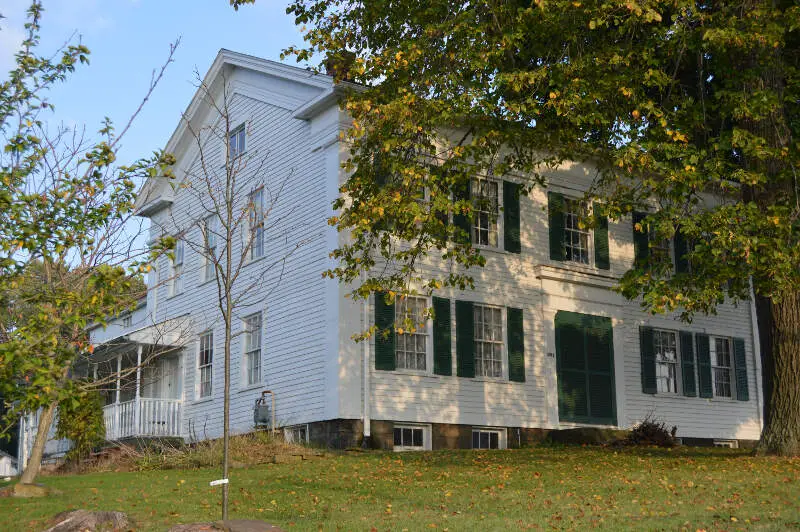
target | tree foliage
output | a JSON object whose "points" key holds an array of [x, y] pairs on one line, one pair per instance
{"points": [[80, 420]]}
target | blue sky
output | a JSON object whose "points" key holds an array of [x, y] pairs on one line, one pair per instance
{"points": [[128, 40]]}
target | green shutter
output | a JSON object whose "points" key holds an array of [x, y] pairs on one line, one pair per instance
{"points": [[442, 357], [704, 365], [601, 258], [740, 363], [384, 343], [516, 345], [641, 247], [460, 220], [681, 249], [687, 364], [555, 209], [465, 339], [511, 217], [649, 383]]}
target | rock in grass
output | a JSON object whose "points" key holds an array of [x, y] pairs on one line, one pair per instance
{"points": [[231, 525], [30, 490], [82, 520]]}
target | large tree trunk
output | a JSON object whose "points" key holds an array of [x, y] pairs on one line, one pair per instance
{"points": [[782, 367], [37, 452]]}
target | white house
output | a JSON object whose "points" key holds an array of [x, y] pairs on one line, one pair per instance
{"points": [[541, 343]]}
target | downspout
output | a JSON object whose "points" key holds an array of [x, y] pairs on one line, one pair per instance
{"points": [[756, 355], [365, 442]]}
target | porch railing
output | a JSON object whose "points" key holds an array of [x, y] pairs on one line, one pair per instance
{"points": [[143, 417]]}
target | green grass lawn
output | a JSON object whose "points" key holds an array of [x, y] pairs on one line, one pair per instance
{"points": [[541, 488]]}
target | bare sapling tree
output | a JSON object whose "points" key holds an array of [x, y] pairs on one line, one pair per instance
{"points": [[234, 220], [68, 252]]}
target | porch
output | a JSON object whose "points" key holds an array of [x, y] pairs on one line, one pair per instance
{"points": [[143, 417]]}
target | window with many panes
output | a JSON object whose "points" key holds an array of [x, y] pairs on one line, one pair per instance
{"points": [[252, 349], [296, 434], [257, 224], [409, 438], [488, 341], [485, 195], [210, 246], [205, 361], [721, 366], [411, 347], [176, 281], [486, 439], [665, 349], [576, 233], [236, 143]]}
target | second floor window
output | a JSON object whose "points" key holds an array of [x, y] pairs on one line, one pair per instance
{"points": [[256, 224], [252, 348], [485, 220], [236, 142], [176, 281], [411, 349], [205, 363], [576, 234]]}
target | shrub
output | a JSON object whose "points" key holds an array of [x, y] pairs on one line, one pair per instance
{"points": [[80, 420], [652, 432]]}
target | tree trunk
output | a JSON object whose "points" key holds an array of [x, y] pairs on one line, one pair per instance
{"points": [[37, 452], [226, 414], [781, 434]]}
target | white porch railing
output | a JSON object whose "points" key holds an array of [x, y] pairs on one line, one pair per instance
{"points": [[143, 417]]}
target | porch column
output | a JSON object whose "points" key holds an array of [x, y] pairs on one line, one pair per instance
{"points": [[137, 404], [116, 401]]}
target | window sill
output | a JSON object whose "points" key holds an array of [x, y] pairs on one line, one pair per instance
{"points": [[203, 283], [498, 380], [173, 296], [255, 260], [203, 400], [250, 387]]}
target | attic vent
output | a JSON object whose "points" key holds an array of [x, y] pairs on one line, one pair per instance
{"points": [[730, 444]]}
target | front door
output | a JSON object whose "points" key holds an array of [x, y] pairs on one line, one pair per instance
{"points": [[585, 369]]}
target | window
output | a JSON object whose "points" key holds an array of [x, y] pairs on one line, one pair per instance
{"points": [[721, 364], [488, 439], [127, 320], [205, 363], [410, 438], [296, 434], [236, 144], [210, 246], [665, 349], [488, 341], [176, 283], [576, 234], [411, 348], [485, 221], [252, 348], [257, 224]]}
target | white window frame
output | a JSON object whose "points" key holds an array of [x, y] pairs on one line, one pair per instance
{"points": [[201, 366], [502, 342], [237, 142], [660, 363], [127, 319], [427, 333], [497, 225], [209, 236], [426, 437], [248, 350], [715, 366], [176, 284], [256, 224], [293, 434], [569, 203], [502, 437]]}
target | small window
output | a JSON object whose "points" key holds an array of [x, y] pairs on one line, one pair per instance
{"points": [[236, 142], [576, 232], [205, 364], [127, 320], [296, 434], [411, 347], [488, 341], [210, 247], [485, 196], [665, 349], [176, 282], [252, 349], [728, 444], [487, 439], [721, 366], [410, 438], [256, 224]]}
